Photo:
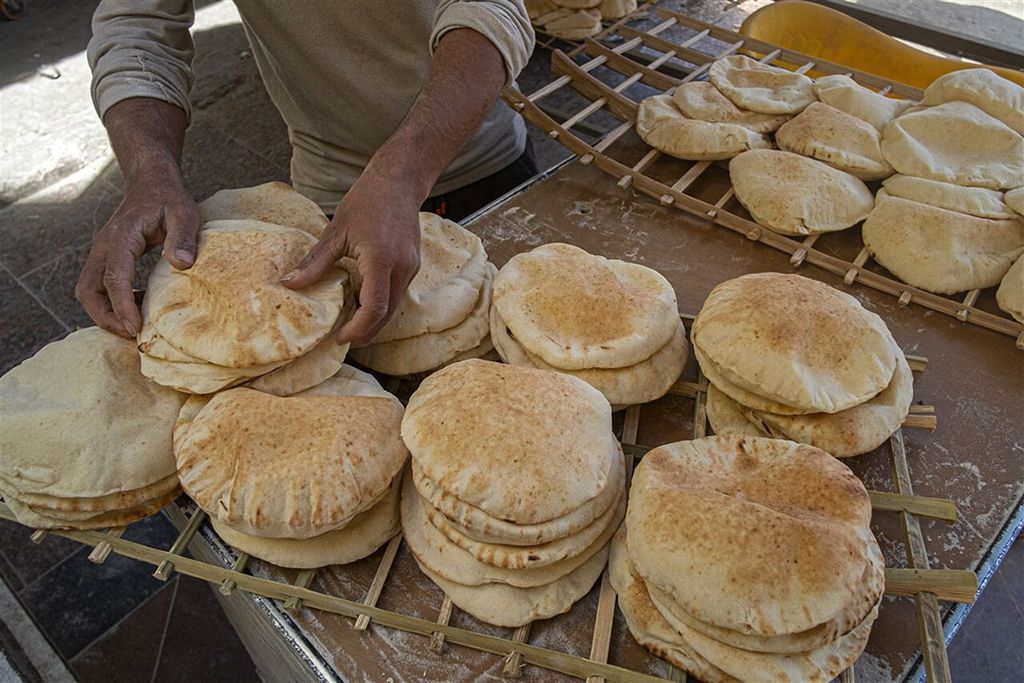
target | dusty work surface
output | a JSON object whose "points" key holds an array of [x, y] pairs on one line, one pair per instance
{"points": [[974, 379]]}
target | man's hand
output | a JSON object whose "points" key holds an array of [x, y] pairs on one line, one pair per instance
{"points": [[381, 231], [151, 214]]}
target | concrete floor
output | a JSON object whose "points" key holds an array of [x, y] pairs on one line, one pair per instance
{"points": [[59, 184]]}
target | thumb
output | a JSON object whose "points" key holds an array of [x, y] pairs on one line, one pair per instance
{"points": [[181, 225], [312, 267]]}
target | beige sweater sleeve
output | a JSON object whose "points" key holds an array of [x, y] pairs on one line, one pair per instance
{"points": [[141, 48], [503, 22]]}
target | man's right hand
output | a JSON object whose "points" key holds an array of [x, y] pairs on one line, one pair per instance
{"points": [[153, 212]]}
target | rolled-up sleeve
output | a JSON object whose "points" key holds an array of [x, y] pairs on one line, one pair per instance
{"points": [[141, 48], [503, 22]]}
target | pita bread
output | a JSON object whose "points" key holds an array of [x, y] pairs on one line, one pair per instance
{"points": [[938, 250], [775, 530], [104, 520], [1015, 200], [436, 552], [576, 311], [571, 24], [80, 420], [445, 291], [837, 139], [646, 623], [535, 9], [646, 381], [1010, 295], [726, 418], [955, 143], [702, 101], [504, 605], [846, 95], [794, 195], [292, 467], [996, 96], [761, 87], [359, 538], [795, 341], [742, 396], [976, 201], [578, 4], [273, 202], [431, 350], [230, 308], [193, 378], [662, 126], [616, 9], [476, 524], [91, 506], [552, 458]]}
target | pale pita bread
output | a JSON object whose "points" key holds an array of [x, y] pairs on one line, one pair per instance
{"points": [[955, 143], [976, 201], [1015, 200], [616, 9], [230, 308], [775, 530], [273, 202], [662, 126], [795, 341], [504, 605], [1010, 295], [938, 250], [571, 24], [740, 395], [761, 87], [446, 289], [431, 350], [702, 101], [91, 506], [576, 311], [552, 458], [80, 420], [104, 520], [726, 418], [195, 378], [646, 381], [794, 195], [996, 96], [359, 538], [837, 139], [845, 94], [438, 554], [535, 9], [476, 524]]}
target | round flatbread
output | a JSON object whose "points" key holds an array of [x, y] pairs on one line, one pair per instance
{"points": [[230, 308], [776, 531], [794, 341], [81, 421], [837, 139], [726, 418], [572, 24], [577, 311], [742, 396], [794, 195], [111, 519], [761, 87], [938, 250], [554, 456], [846, 95], [359, 538], [274, 202], [975, 201], [1015, 200], [702, 101], [616, 9], [955, 143], [662, 126], [90, 506], [996, 96], [1010, 295]]}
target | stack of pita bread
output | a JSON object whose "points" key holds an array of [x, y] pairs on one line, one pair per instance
{"points": [[228, 319], [300, 481], [793, 358], [944, 224], [86, 439], [748, 559], [568, 19], [442, 317], [613, 324], [517, 486]]}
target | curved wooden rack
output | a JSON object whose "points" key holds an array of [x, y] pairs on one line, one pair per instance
{"points": [[644, 57]]}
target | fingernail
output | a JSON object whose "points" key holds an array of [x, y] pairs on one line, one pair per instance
{"points": [[183, 256], [290, 276], [129, 327]]}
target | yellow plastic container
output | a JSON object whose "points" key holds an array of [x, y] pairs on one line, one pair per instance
{"points": [[827, 34]]}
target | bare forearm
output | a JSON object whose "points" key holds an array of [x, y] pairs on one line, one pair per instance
{"points": [[463, 83], [147, 136]]}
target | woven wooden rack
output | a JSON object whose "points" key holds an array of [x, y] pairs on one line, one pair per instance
{"points": [[677, 50], [926, 586]]}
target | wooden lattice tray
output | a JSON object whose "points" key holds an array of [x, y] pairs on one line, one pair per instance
{"points": [[298, 589], [681, 49]]}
